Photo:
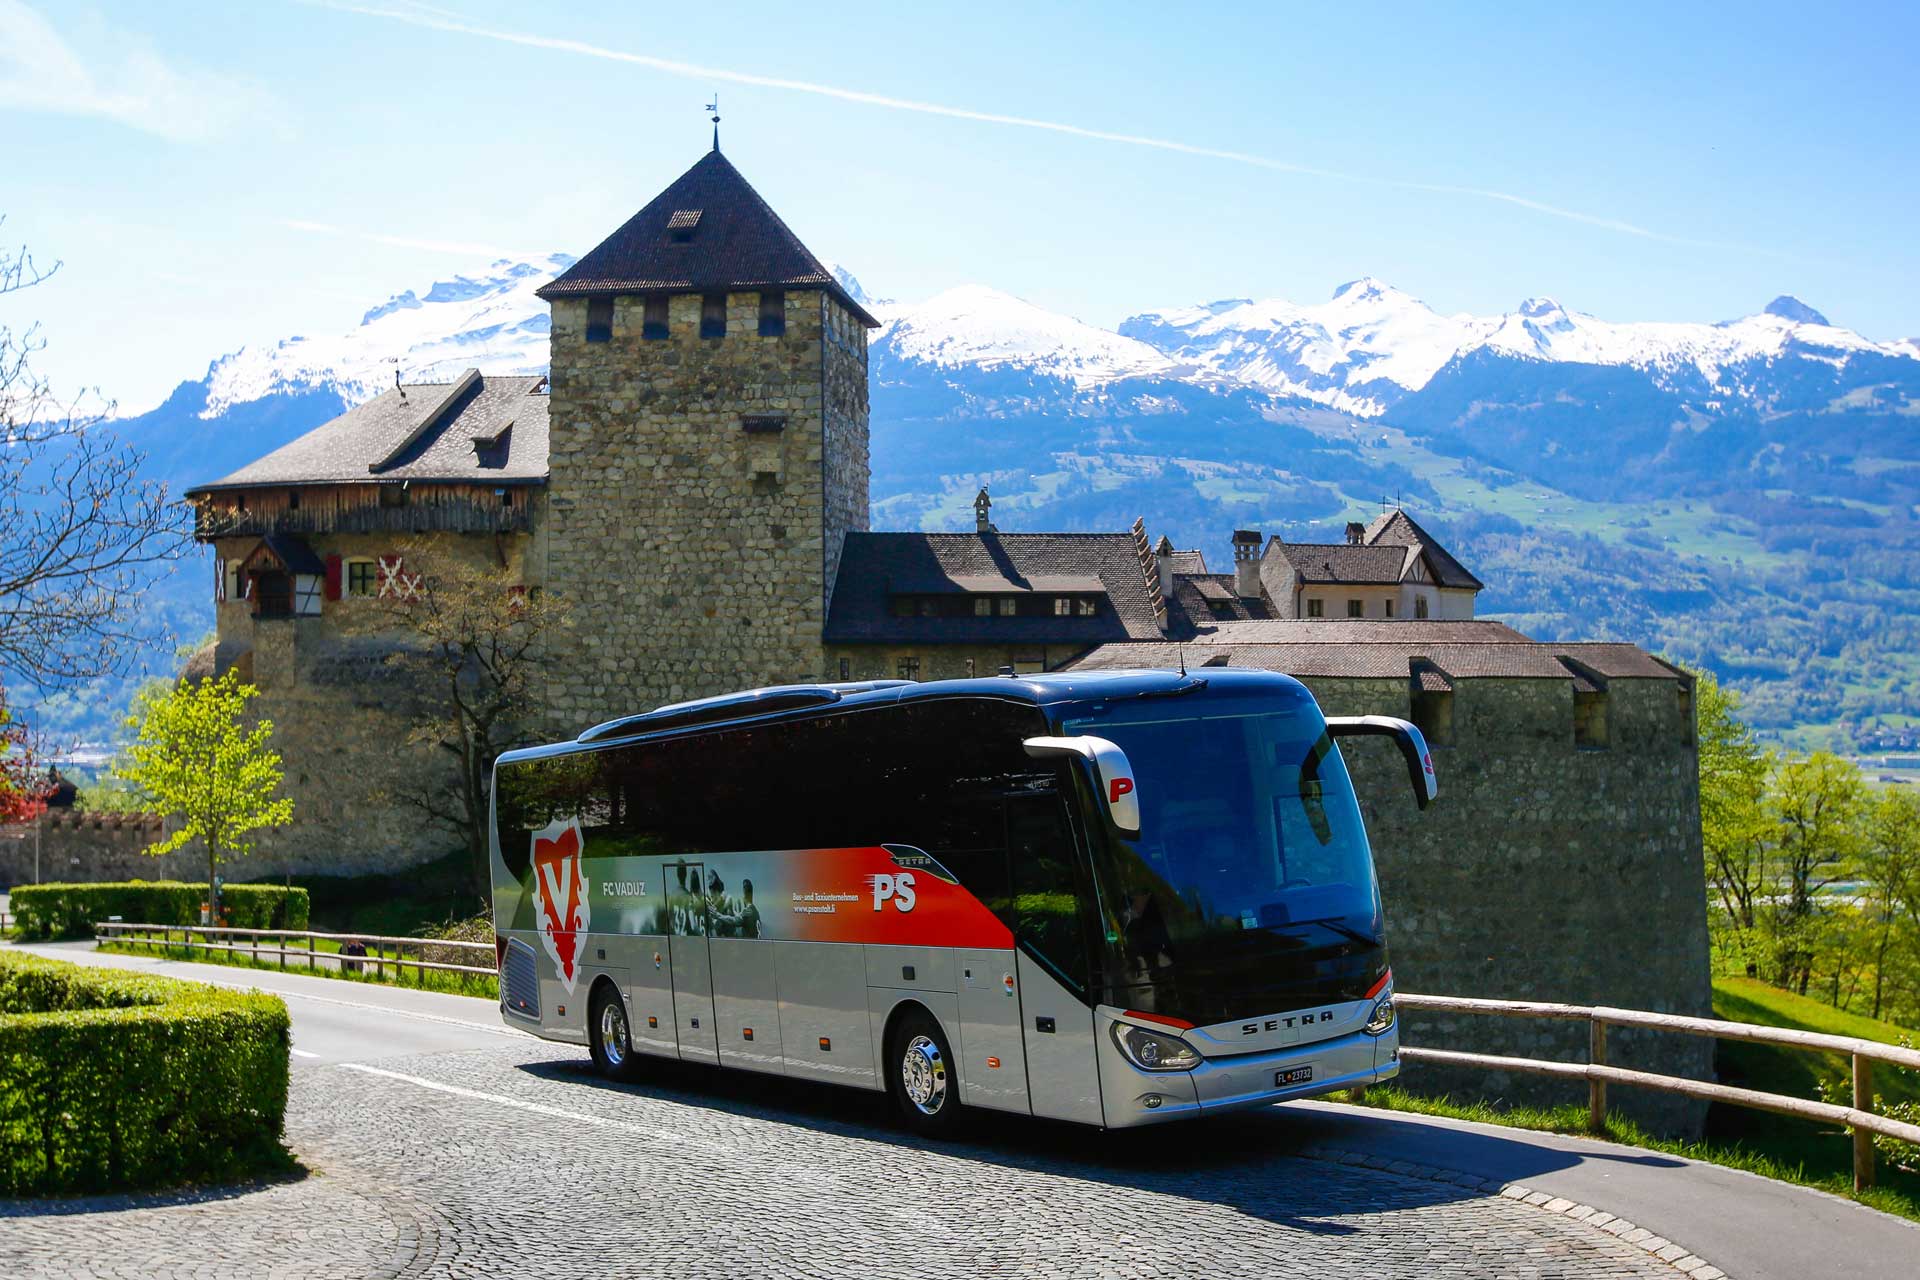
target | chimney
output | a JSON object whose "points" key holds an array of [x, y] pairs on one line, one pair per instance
{"points": [[1162, 558], [1246, 563], [1356, 533], [982, 504]]}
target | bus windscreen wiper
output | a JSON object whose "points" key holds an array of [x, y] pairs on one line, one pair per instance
{"points": [[1337, 926]]}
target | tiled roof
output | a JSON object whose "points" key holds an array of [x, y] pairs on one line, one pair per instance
{"points": [[1364, 631], [507, 415], [1379, 659], [874, 567], [1398, 529], [724, 237], [1344, 563], [1187, 562]]}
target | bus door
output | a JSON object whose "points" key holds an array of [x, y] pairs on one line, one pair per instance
{"points": [[1050, 892], [688, 923]]}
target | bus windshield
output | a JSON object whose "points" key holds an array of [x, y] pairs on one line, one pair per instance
{"points": [[1251, 851]]}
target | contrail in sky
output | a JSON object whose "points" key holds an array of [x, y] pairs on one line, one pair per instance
{"points": [[442, 20]]}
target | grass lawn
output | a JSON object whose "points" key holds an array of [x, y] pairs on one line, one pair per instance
{"points": [[388, 974], [1800, 1151]]}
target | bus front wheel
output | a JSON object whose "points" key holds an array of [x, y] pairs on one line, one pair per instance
{"points": [[607, 1032], [921, 1076]]}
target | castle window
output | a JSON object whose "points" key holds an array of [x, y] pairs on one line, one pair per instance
{"points": [[1389, 607], [599, 319], [983, 606], [773, 313], [1356, 608], [1433, 716], [1063, 606], [653, 323], [1316, 608], [680, 227], [272, 595], [1009, 606], [1419, 606], [363, 578], [1220, 609], [1089, 606], [293, 499], [1590, 719], [909, 668], [713, 315]]}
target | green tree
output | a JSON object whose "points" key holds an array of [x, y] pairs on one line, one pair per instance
{"points": [[1889, 865], [1733, 781], [200, 763], [1814, 807]]}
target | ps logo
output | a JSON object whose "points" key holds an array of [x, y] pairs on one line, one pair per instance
{"points": [[897, 887]]}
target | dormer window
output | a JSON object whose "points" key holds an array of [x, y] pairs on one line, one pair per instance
{"points": [[653, 326], [599, 319], [681, 225], [773, 313], [713, 315]]}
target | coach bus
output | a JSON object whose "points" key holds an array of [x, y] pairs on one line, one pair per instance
{"points": [[1115, 898]]}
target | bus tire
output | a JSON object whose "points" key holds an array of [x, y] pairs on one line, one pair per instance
{"points": [[923, 1076], [608, 1033]]}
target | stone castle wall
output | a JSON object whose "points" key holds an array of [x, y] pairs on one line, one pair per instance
{"points": [[689, 513], [1544, 871], [342, 715], [87, 848]]}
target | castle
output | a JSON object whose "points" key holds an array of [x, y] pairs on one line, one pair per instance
{"points": [[692, 477]]}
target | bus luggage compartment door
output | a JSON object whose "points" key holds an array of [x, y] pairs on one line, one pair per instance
{"points": [[691, 961]]}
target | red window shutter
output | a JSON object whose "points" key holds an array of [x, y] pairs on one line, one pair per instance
{"points": [[333, 577]]}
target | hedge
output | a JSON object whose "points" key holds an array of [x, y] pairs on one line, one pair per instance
{"points": [[112, 1080], [71, 910]]}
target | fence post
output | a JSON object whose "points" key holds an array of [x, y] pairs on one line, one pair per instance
{"points": [[1862, 1140], [1596, 1088], [309, 953]]}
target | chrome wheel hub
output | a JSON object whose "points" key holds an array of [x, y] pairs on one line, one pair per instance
{"points": [[613, 1033], [923, 1070]]}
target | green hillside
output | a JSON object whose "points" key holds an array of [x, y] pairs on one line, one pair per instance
{"points": [[1822, 1150]]}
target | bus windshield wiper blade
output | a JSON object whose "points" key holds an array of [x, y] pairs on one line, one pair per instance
{"points": [[1337, 926]]}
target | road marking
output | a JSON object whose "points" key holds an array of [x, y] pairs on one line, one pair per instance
{"points": [[302, 1053], [537, 1108]]}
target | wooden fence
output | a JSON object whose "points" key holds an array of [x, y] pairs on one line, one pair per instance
{"points": [[273, 943], [1859, 1117]]}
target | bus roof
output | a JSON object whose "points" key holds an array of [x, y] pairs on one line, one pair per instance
{"points": [[797, 701]]}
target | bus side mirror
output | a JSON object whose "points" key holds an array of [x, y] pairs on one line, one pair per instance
{"points": [[1112, 774], [1412, 745]]}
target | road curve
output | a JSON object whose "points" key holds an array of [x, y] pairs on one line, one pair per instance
{"points": [[444, 1144]]}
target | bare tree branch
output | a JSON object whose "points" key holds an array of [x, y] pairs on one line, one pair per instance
{"points": [[82, 532]]}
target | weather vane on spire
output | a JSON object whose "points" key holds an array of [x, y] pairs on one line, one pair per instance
{"points": [[714, 107]]}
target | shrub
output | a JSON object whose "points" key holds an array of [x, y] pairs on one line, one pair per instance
{"points": [[112, 1080], [71, 910]]}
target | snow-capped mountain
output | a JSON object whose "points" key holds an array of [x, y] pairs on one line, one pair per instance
{"points": [[974, 326], [1370, 345], [489, 320]]}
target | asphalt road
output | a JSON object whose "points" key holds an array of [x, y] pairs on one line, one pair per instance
{"points": [[442, 1143]]}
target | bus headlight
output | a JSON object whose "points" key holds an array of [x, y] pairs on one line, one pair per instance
{"points": [[1151, 1051], [1381, 1021]]}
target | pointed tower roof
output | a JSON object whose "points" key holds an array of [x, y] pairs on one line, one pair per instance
{"points": [[709, 231]]}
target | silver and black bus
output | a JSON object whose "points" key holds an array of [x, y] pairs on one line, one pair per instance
{"points": [[1114, 898]]}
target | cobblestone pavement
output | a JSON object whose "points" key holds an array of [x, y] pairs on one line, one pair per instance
{"points": [[531, 1167]]}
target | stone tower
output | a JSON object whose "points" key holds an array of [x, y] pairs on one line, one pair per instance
{"points": [[708, 451]]}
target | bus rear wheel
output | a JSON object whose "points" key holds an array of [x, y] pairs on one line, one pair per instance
{"points": [[921, 1076], [607, 1033]]}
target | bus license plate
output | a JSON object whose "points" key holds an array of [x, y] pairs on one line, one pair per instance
{"points": [[1297, 1075]]}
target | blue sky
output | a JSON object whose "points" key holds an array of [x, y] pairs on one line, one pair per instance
{"points": [[214, 174]]}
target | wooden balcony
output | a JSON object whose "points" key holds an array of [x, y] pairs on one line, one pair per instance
{"points": [[363, 508]]}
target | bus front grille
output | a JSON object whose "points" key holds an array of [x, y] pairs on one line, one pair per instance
{"points": [[519, 981]]}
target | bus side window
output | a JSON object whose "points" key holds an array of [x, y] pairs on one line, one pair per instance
{"points": [[1041, 858]]}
